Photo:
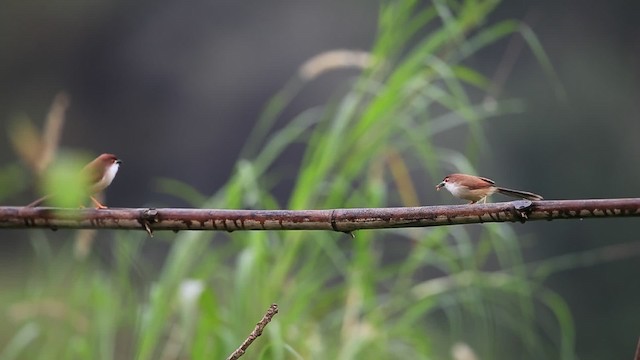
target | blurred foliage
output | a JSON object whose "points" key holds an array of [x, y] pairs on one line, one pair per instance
{"points": [[65, 181], [411, 293], [13, 180]]}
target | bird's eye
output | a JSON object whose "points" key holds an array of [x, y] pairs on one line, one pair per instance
{"points": [[446, 179]]}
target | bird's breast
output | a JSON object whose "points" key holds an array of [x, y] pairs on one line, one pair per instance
{"points": [[464, 192], [107, 178]]}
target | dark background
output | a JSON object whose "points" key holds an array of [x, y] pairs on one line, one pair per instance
{"points": [[173, 88]]}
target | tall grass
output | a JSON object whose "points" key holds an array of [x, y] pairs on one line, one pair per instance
{"points": [[380, 295]]}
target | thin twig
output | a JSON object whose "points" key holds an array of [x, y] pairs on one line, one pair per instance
{"points": [[257, 331], [340, 220]]}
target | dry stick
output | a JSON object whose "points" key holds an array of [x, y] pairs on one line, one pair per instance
{"points": [[637, 357], [341, 220], [257, 331]]}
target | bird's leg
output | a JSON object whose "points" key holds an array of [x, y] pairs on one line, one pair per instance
{"points": [[97, 203]]}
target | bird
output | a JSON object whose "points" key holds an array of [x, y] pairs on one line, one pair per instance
{"points": [[476, 188], [99, 174]]}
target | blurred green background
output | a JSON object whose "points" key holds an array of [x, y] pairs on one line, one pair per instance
{"points": [[228, 104]]}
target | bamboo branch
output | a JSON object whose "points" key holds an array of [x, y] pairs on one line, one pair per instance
{"points": [[342, 220]]}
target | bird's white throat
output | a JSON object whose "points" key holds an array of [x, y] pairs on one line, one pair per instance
{"points": [[455, 189], [109, 174]]}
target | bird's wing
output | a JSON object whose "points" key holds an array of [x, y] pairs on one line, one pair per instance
{"points": [[91, 172], [478, 182], [487, 180]]}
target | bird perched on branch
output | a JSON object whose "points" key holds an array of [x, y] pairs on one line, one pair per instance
{"points": [[98, 175], [476, 188]]}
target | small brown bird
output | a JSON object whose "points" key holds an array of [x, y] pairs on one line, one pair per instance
{"points": [[476, 188], [99, 173]]}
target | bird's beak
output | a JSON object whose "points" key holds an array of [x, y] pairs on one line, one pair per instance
{"points": [[439, 186], [118, 162]]}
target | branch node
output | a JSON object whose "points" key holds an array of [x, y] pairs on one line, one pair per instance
{"points": [[334, 225], [522, 209], [148, 217]]}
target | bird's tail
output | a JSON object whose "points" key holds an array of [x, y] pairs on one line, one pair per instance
{"points": [[519, 194], [39, 201]]}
